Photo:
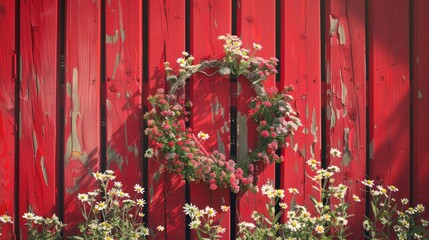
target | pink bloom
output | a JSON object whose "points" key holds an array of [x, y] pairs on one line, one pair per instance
{"points": [[166, 126], [213, 186], [265, 133], [268, 104]]}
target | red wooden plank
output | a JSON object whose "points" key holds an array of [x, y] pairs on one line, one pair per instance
{"points": [[210, 111], [166, 43], [37, 130], [389, 99], [7, 113], [256, 24], [300, 67], [346, 99], [82, 111], [420, 102], [123, 90]]}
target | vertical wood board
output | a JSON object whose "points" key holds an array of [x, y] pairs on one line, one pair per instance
{"points": [[81, 106], [166, 42], [256, 24], [346, 99], [420, 102], [7, 113], [211, 106], [123, 91], [300, 68], [38, 108], [389, 99]]}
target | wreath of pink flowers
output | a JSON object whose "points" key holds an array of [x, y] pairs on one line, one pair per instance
{"points": [[178, 149]]}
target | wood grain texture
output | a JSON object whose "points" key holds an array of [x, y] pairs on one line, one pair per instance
{"points": [[211, 106], [38, 123], [346, 99], [300, 67], [7, 113], [420, 102], [255, 23], [81, 106], [166, 42], [389, 94], [123, 91]]}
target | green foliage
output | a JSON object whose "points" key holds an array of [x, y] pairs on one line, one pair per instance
{"points": [[40, 228], [111, 213]]}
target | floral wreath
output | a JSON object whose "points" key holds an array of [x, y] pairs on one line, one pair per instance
{"points": [[180, 151]]}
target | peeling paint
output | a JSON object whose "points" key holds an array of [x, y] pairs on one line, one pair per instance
{"points": [[216, 109], [328, 73], [242, 136], [108, 104], [112, 39], [331, 114], [343, 95], [341, 34], [220, 144], [76, 147], [73, 145], [35, 143], [113, 156], [314, 126], [44, 172], [215, 23], [307, 111], [121, 22], [117, 61], [419, 94], [68, 90], [238, 88], [333, 25], [305, 131], [225, 125], [346, 152]]}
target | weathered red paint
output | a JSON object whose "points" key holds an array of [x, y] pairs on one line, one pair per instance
{"points": [[166, 42], [420, 102], [211, 106], [389, 94], [300, 67], [123, 91], [38, 108], [81, 105], [7, 112], [346, 98], [388, 90], [253, 23]]}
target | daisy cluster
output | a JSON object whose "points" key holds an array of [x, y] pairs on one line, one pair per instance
{"points": [[111, 213], [205, 221], [5, 219], [43, 227], [327, 217], [392, 218]]}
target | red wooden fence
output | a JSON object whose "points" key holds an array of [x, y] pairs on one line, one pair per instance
{"points": [[75, 75]]}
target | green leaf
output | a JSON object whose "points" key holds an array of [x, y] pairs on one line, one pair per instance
{"points": [[172, 78]]}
